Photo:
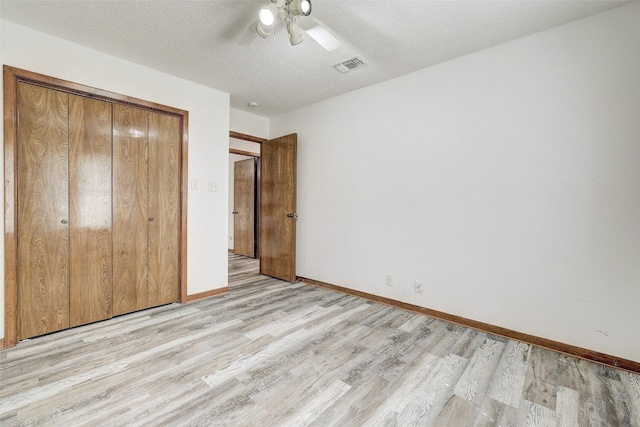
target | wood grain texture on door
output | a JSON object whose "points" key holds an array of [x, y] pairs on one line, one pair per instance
{"points": [[278, 208], [244, 194], [164, 208], [43, 211], [90, 283], [71, 223], [130, 208]]}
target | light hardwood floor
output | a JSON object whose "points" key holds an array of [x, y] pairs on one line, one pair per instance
{"points": [[271, 353]]}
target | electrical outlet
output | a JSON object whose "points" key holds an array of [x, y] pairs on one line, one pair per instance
{"points": [[418, 287], [389, 280]]}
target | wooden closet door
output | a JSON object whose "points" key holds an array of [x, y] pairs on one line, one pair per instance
{"points": [[244, 197], [42, 213], [164, 208], [90, 284], [130, 208]]}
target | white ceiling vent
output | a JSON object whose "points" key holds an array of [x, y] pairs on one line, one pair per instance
{"points": [[350, 64]]}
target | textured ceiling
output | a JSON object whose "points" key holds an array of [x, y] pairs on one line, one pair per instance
{"points": [[197, 40]]}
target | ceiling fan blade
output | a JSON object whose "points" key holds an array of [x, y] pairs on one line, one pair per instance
{"points": [[248, 34], [319, 33]]}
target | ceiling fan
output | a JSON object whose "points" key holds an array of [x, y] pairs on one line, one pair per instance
{"points": [[292, 15]]}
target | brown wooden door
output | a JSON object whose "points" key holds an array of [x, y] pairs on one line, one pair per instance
{"points": [[43, 211], [164, 208], [130, 208], [90, 269], [71, 222], [244, 196], [278, 208]]}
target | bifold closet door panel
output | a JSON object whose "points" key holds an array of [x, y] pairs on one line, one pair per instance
{"points": [[130, 208], [90, 284], [42, 213], [164, 208]]}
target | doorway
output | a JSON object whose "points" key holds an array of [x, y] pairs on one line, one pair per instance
{"points": [[244, 184], [274, 210]]}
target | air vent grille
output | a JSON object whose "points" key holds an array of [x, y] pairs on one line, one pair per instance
{"points": [[350, 64]]}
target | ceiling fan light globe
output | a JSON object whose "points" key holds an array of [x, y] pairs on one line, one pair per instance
{"points": [[262, 30], [295, 33], [266, 16], [305, 7], [266, 20], [300, 7]]}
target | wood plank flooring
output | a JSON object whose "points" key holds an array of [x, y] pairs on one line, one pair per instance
{"points": [[271, 353]]}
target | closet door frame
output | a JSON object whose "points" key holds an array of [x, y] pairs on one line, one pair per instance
{"points": [[11, 77]]}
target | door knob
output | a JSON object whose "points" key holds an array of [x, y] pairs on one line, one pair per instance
{"points": [[235, 212], [64, 221], [150, 218], [292, 215]]}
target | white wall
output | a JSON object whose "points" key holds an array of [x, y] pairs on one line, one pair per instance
{"points": [[208, 133], [246, 146], [249, 124], [508, 181]]}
